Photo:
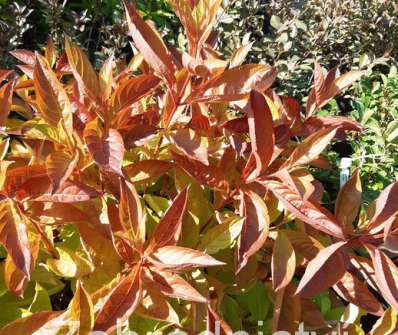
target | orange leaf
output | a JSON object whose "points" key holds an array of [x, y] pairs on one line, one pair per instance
{"points": [[69, 192], [323, 271], [149, 43], [130, 212], [198, 20], [261, 133], [180, 258], [235, 84], [14, 236], [133, 90], [168, 229], [172, 285], [5, 101], [310, 148], [191, 144], [4, 74], [156, 307], [107, 150], [326, 88], [15, 280], [283, 263], [144, 170], [52, 100], [60, 166], [386, 275], [83, 71], [209, 175], [29, 324], [121, 302], [305, 210], [348, 202], [82, 310], [255, 227]]}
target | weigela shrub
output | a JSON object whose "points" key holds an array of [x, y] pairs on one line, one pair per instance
{"points": [[177, 188]]}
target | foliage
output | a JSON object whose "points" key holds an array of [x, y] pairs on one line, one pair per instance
{"points": [[291, 34], [374, 104], [98, 25], [181, 175]]}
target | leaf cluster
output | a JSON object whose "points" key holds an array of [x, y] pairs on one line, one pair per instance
{"points": [[175, 190]]}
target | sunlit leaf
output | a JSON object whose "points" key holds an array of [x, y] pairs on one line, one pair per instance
{"points": [[13, 236], [107, 149], [82, 69], [261, 134], [305, 210], [168, 229], [255, 227], [149, 44], [386, 276], [52, 100], [283, 262], [82, 310], [121, 302], [179, 258], [348, 202], [323, 271], [5, 101]]}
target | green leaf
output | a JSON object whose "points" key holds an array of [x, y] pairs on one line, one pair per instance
{"points": [[276, 22], [158, 204], [256, 301], [221, 236], [231, 312], [41, 300], [70, 264]]}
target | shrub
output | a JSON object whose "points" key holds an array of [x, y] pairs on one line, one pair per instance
{"points": [[291, 34], [181, 175], [98, 25], [374, 103]]}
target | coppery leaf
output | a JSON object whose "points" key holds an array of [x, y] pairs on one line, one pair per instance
{"points": [[144, 170], [14, 236], [28, 324], [310, 148], [209, 175], [261, 133], [5, 101], [351, 289], [82, 70], [133, 90], [82, 310], [348, 202], [130, 212], [51, 98], [149, 44], [255, 227], [168, 229], [323, 271], [386, 275], [306, 210], [283, 263], [121, 302], [180, 258], [107, 149], [60, 166], [172, 285]]}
